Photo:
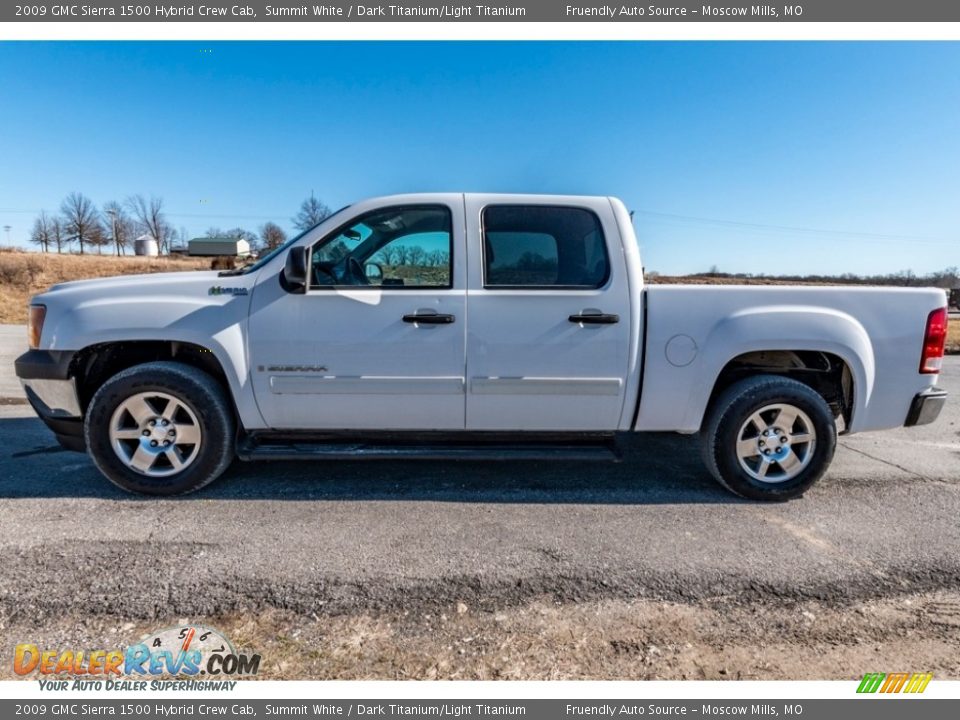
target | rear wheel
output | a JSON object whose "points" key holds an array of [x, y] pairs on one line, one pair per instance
{"points": [[768, 438], [161, 428]]}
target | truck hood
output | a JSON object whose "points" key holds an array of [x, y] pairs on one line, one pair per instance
{"points": [[190, 306], [173, 282]]}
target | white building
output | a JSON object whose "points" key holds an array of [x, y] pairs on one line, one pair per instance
{"points": [[214, 246]]}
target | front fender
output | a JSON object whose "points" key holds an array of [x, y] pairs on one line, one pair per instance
{"points": [[217, 324]]}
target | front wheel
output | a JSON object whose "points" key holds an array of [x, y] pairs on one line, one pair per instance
{"points": [[161, 428], [768, 438]]}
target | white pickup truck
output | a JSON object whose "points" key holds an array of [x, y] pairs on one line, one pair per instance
{"points": [[453, 326]]}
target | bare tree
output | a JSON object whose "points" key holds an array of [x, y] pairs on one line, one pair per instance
{"points": [[416, 255], [272, 235], [120, 227], [438, 258], [80, 218], [388, 254], [99, 236], [312, 212], [40, 235], [58, 235], [237, 232], [151, 219]]}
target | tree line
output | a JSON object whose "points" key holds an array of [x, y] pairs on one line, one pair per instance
{"points": [[947, 278], [117, 224]]}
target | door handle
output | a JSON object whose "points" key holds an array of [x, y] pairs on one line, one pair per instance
{"points": [[595, 319], [429, 319]]}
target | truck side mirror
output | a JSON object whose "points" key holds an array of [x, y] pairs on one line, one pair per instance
{"points": [[294, 275], [374, 272]]}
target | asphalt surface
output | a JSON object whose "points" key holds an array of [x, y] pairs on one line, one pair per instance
{"points": [[334, 537]]}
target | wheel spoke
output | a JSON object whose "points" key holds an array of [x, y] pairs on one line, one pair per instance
{"points": [[747, 448], [790, 463], [170, 410], [187, 434], [142, 460], [174, 457], [786, 418], [762, 468], [127, 434], [139, 408], [759, 422]]}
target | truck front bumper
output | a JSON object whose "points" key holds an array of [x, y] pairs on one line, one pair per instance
{"points": [[45, 376], [926, 406]]}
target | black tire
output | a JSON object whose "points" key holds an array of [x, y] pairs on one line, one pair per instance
{"points": [[204, 397], [733, 408]]}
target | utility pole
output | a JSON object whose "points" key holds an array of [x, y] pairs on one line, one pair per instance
{"points": [[6, 229], [113, 228]]}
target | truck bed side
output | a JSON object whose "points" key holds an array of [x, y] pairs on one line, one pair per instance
{"points": [[693, 332]]}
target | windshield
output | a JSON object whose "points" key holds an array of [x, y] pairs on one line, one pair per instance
{"points": [[264, 259]]}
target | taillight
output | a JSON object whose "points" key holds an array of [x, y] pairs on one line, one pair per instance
{"points": [[934, 341], [35, 325]]}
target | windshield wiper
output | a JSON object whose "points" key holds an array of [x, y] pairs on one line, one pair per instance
{"points": [[235, 271]]}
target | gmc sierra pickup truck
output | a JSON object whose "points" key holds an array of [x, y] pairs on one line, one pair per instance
{"points": [[463, 326]]}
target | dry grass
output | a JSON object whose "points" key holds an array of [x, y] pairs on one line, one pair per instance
{"points": [[953, 336], [25, 274]]}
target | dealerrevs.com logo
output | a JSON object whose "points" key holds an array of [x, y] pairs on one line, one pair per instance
{"points": [[189, 651]]}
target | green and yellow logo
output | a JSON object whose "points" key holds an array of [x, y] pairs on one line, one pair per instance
{"points": [[894, 682]]}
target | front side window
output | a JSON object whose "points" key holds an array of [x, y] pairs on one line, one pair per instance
{"points": [[392, 248], [543, 246]]}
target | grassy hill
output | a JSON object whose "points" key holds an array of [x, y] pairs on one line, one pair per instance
{"points": [[24, 274]]}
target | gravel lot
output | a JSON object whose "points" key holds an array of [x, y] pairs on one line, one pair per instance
{"points": [[383, 550]]}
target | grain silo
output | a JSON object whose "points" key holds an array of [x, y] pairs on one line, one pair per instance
{"points": [[146, 245]]}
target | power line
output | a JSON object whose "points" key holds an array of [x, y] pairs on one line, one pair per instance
{"points": [[793, 229]]}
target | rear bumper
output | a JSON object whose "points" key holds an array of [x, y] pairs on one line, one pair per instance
{"points": [[926, 407], [52, 393]]}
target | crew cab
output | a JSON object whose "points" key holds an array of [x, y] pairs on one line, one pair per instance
{"points": [[471, 325]]}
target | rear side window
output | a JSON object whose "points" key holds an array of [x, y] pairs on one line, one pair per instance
{"points": [[539, 246]]}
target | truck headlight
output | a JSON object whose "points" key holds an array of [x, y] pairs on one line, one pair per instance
{"points": [[38, 314]]}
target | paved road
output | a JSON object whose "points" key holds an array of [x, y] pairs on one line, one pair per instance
{"points": [[338, 536]]}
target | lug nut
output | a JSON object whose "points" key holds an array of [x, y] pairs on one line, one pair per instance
{"points": [[766, 452], [762, 443], [145, 433], [166, 442], [164, 423], [153, 443], [153, 423], [783, 439]]}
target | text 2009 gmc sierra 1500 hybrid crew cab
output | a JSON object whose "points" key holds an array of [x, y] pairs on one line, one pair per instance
{"points": [[452, 325]]}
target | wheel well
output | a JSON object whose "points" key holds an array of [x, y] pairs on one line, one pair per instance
{"points": [[96, 364], [825, 373]]}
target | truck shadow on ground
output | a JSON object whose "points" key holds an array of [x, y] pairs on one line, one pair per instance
{"points": [[657, 468]]}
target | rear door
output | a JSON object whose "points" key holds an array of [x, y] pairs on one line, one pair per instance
{"points": [[548, 326]]}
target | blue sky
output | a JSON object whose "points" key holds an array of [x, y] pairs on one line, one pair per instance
{"points": [[754, 157]]}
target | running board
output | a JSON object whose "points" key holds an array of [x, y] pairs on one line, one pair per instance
{"points": [[256, 448]]}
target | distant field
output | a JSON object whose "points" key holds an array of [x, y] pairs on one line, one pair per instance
{"points": [[24, 274], [953, 336]]}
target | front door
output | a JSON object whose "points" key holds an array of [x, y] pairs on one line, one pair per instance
{"points": [[377, 340], [548, 342]]}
